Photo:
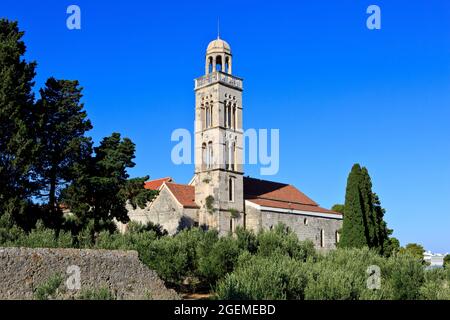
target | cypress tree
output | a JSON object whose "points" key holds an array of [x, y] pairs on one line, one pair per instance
{"points": [[363, 223], [353, 228]]}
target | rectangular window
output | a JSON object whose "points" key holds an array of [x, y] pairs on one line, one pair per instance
{"points": [[322, 238], [231, 189]]}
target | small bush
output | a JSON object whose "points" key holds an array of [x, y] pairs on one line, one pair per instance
{"points": [[48, 289], [102, 293], [261, 278], [281, 241], [218, 260]]}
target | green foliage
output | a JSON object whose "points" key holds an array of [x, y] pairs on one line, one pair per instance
{"points": [[62, 146], [135, 192], [48, 289], [17, 139], [447, 261], [234, 213], [217, 259], [246, 240], [102, 188], [42, 237], [137, 227], [284, 242], [413, 249], [102, 293], [338, 208], [209, 203], [175, 258], [258, 278], [437, 285], [363, 223], [406, 277]]}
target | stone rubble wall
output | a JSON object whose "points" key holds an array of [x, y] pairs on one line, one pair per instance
{"points": [[22, 270]]}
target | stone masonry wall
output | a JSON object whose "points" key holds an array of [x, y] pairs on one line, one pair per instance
{"points": [[24, 269], [305, 227]]}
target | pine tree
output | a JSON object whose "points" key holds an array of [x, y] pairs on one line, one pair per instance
{"points": [[102, 189], [17, 145], [61, 127]]}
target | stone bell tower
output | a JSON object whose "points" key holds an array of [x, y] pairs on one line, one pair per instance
{"points": [[219, 172]]}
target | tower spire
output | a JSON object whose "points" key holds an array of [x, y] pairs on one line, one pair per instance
{"points": [[218, 28]]}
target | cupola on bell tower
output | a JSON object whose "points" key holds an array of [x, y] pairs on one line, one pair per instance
{"points": [[219, 141]]}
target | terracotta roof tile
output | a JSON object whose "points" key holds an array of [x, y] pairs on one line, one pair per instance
{"points": [[185, 194], [279, 195], [157, 183]]}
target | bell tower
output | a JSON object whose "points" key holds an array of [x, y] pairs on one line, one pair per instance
{"points": [[219, 171]]}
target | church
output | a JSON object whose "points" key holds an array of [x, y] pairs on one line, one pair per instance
{"points": [[219, 196]]}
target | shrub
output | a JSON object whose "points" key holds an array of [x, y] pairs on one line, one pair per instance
{"points": [[102, 293], [246, 240], [48, 289], [258, 278], [342, 275], [42, 237], [406, 276], [437, 285], [282, 241], [137, 227], [175, 258], [218, 259]]}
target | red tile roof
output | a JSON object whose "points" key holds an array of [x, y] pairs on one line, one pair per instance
{"points": [[156, 184], [279, 195], [185, 194]]}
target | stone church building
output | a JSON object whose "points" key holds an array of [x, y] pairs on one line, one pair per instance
{"points": [[219, 196]]}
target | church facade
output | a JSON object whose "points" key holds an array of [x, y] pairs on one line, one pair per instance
{"points": [[219, 196]]}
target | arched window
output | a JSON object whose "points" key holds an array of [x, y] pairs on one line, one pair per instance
{"points": [[225, 113], [204, 157], [227, 65], [219, 66], [210, 155], [322, 238], [210, 64], [208, 116], [338, 237], [232, 156], [226, 156], [211, 116], [229, 116], [230, 189], [234, 116]]}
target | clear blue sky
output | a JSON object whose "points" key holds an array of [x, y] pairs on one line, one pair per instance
{"points": [[338, 92]]}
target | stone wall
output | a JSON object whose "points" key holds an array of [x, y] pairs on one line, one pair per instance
{"points": [[22, 270], [164, 210], [306, 227]]}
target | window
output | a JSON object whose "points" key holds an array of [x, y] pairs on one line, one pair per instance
{"points": [[210, 155], [322, 238], [231, 189], [231, 224], [229, 116], [226, 156], [232, 156], [305, 221], [234, 116], [208, 116], [204, 157], [338, 237]]}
